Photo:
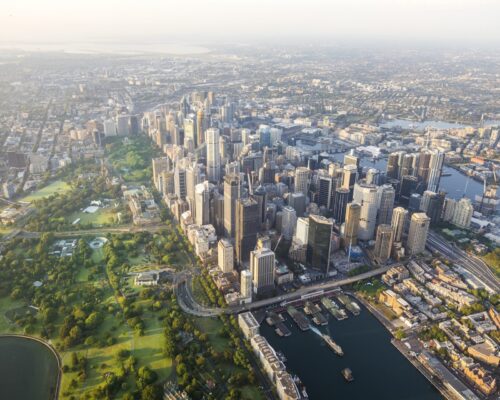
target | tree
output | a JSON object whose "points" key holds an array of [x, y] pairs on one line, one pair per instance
{"points": [[151, 392]]}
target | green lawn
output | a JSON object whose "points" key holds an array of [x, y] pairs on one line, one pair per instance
{"points": [[211, 326], [103, 216], [49, 190]]}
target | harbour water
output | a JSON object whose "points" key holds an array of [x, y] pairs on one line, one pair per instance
{"points": [[28, 370], [380, 371], [455, 184]]}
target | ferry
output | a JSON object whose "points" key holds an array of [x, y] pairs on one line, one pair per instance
{"points": [[347, 374], [334, 346], [334, 309], [351, 305]]}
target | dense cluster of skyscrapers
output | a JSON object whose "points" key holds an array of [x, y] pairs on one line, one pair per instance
{"points": [[252, 189]]}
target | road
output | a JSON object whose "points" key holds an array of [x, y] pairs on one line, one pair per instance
{"points": [[471, 263], [189, 305]]}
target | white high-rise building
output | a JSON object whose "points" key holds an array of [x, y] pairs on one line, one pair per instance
{"points": [[398, 222], [213, 154], [435, 170], [302, 232], [302, 180], [417, 235], [122, 125], [225, 256], [463, 213], [449, 209], [288, 222], [426, 198], [246, 284], [202, 203], [262, 268], [109, 128], [367, 196]]}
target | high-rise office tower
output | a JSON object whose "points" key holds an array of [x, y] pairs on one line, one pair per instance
{"points": [[407, 164], [217, 213], [398, 223], [288, 222], [463, 213], [435, 207], [319, 242], [417, 235], [448, 209], [122, 125], [213, 155], [200, 126], [231, 188], [202, 201], [247, 226], [160, 164], [383, 243], [351, 226], [367, 196], [426, 199], [436, 168], [190, 130], [393, 167], [373, 176], [246, 284], [302, 232], [424, 161], [302, 180], [414, 202], [262, 269], [225, 255], [180, 182], [298, 202], [340, 201], [325, 190], [351, 159], [408, 186], [350, 176], [386, 195], [193, 178]]}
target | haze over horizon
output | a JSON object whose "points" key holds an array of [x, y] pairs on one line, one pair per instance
{"points": [[453, 22]]}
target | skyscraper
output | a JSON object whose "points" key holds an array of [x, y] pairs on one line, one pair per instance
{"points": [[231, 187], [202, 201], [417, 235], [383, 243], [302, 180], [225, 255], [386, 196], [262, 269], [247, 226], [288, 222], [340, 201], [393, 167], [463, 213], [246, 283], [319, 242], [399, 216], [325, 190], [200, 126], [213, 155], [350, 176], [298, 202], [367, 196], [436, 168], [351, 226], [302, 232]]}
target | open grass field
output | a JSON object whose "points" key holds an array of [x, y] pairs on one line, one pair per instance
{"points": [[49, 190], [103, 216]]}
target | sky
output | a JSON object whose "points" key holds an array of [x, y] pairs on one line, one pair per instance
{"points": [[214, 21]]}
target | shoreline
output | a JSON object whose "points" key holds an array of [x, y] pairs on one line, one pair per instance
{"points": [[47, 345]]}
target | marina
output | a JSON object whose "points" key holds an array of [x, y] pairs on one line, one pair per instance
{"points": [[276, 320], [350, 304], [334, 309], [315, 312]]}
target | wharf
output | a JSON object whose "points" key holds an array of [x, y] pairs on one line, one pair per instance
{"points": [[299, 318]]}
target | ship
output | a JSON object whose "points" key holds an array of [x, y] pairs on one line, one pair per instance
{"points": [[351, 305], [333, 309], [347, 374], [334, 346], [299, 318]]}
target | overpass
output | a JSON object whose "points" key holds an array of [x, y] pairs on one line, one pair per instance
{"points": [[190, 306]]}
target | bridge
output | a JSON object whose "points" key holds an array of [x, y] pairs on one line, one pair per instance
{"points": [[189, 305]]}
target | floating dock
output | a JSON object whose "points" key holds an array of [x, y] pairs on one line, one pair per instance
{"points": [[351, 305], [276, 320], [299, 318], [333, 309], [315, 311]]}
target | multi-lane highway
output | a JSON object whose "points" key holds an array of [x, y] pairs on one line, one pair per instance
{"points": [[471, 263]]}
